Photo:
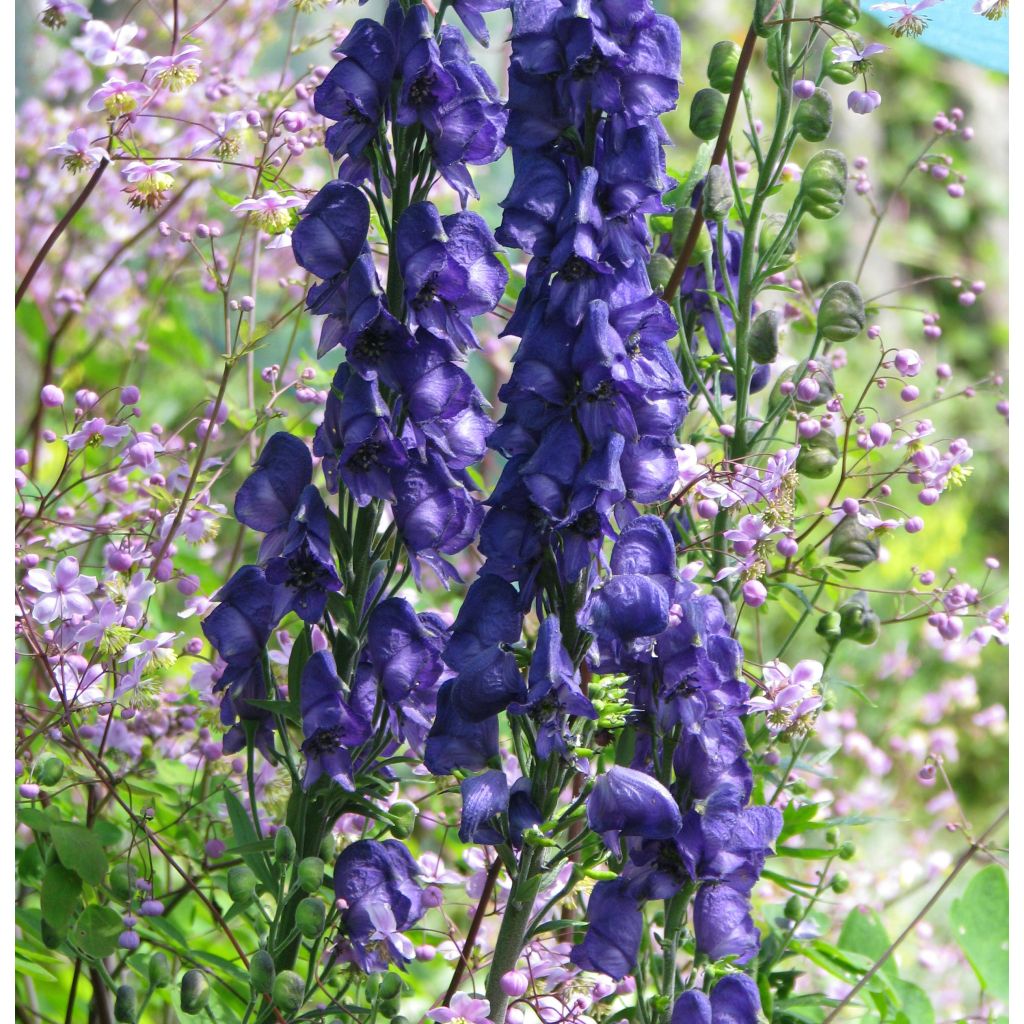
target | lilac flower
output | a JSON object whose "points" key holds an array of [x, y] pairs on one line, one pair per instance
{"points": [[56, 12], [76, 682], [269, 211], [372, 878], [625, 802], [329, 726], [863, 102], [177, 71], [97, 431], [117, 96], [77, 151], [62, 593], [857, 56], [148, 182], [789, 694], [909, 21], [105, 47], [463, 1009]]}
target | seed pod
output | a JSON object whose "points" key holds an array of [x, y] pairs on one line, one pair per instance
{"points": [[716, 199], [818, 455], [390, 986], [853, 544], [841, 312], [823, 185], [832, 836], [159, 970], [770, 230], [840, 13], [659, 270], [707, 110], [847, 851], [195, 991], [858, 622], [310, 873], [262, 972], [763, 337], [122, 879], [241, 885], [328, 848], [284, 845], [766, 11], [829, 626], [722, 64], [289, 992], [813, 117], [840, 72], [310, 916], [50, 771], [125, 1010]]}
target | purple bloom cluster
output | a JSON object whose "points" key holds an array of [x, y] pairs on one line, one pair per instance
{"points": [[595, 398]]}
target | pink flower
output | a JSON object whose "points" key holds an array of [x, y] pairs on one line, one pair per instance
{"points": [[105, 47], [788, 693], [269, 211], [77, 682], [464, 1009], [61, 593], [78, 152], [863, 102], [117, 96]]}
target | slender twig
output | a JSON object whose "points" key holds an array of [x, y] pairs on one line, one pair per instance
{"points": [[474, 928]]}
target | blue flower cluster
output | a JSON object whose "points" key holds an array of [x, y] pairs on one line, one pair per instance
{"points": [[595, 398], [695, 830]]}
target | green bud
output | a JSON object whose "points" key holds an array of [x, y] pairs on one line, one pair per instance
{"points": [[241, 884], [818, 456], [195, 991], [49, 771], [122, 879], [828, 703], [847, 851], [707, 111], [840, 13], [328, 848], [399, 1019], [716, 199], [659, 270], [840, 72], [793, 908], [859, 623], [832, 836], [371, 985], [763, 337], [841, 312], [403, 815], [390, 986], [262, 972], [289, 992], [125, 1009], [284, 845], [722, 64], [799, 788], [770, 231], [310, 916], [681, 221], [766, 11], [310, 873], [823, 185], [840, 883], [813, 117], [829, 627], [853, 544], [159, 970]]}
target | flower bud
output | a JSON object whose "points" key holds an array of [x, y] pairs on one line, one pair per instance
{"points": [[763, 337], [716, 199], [125, 1010], [262, 972], [195, 991], [840, 13], [847, 851], [793, 908], [390, 986], [514, 984], [159, 970], [310, 873], [241, 884], [722, 65], [284, 845], [289, 992], [50, 771], [853, 544], [832, 836], [829, 627], [659, 270], [328, 848], [310, 916], [818, 455], [707, 111], [823, 186], [858, 622], [813, 117], [840, 883], [841, 313]]}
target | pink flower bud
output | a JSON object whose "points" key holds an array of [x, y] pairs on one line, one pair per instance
{"points": [[880, 434], [51, 396], [754, 593], [514, 983]]}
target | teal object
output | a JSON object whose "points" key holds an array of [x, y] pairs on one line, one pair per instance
{"points": [[955, 30]]}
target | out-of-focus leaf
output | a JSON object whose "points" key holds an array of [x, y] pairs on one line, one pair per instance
{"points": [[981, 923], [863, 933], [58, 896], [80, 850], [96, 930]]}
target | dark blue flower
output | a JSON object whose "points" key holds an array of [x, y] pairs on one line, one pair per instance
{"points": [[484, 797], [616, 926], [722, 923], [734, 1000], [355, 90], [377, 882], [329, 726], [268, 497], [471, 12], [539, 192], [426, 85], [712, 755], [305, 565], [456, 742], [625, 802]]}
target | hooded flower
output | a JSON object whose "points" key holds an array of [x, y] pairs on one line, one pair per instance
{"points": [[615, 928], [456, 742], [723, 925], [734, 1000], [625, 802]]}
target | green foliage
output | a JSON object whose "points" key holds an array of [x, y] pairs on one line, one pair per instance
{"points": [[981, 925]]}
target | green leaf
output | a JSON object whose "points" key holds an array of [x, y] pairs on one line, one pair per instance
{"points": [[278, 707], [981, 924], [864, 933], [59, 894], [96, 931], [37, 820], [915, 1006], [245, 834], [80, 850]]}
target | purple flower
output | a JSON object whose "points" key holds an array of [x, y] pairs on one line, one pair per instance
{"points": [[734, 1000], [616, 926], [329, 726], [104, 47], [723, 925], [62, 593], [863, 102], [426, 85], [456, 742], [485, 797], [625, 802], [471, 12]]}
